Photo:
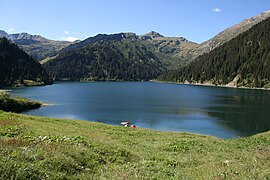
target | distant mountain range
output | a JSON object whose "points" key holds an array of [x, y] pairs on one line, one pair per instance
{"points": [[36, 46], [134, 57], [177, 50], [167, 52], [127, 56]]}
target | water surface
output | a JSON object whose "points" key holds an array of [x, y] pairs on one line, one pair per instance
{"points": [[222, 112]]}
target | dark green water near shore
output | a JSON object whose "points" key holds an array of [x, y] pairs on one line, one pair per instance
{"points": [[221, 112]]}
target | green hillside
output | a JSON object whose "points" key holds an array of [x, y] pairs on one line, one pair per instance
{"points": [[243, 61], [18, 68]]}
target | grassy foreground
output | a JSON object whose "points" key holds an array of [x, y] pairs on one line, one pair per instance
{"points": [[45, 148]]}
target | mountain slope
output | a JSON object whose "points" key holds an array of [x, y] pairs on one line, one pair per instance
{"points": [[123, 56], [113, 58], [176, 49], [3, 34], [242, 61], [36, 46], [225, 36], [18, 68], [100, 37]]}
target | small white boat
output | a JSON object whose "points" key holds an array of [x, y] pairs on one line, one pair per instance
{"points": [[125, 123]]}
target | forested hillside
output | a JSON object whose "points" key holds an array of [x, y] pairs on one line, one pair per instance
{"points": [[18, 68], [109, 60], [165, 48], [244, 60]]}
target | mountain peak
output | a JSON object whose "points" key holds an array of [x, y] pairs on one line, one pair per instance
{"points": [[27, 36], [266, 12], [154, 34], [3, 33]]}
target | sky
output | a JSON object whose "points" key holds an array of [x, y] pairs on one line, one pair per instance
{"points": [[196, 20]]}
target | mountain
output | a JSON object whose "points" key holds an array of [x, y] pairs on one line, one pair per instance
{"points": [[169, 52], [176, 49], [100, 37], [226, 35], [180, 51], [118, 57], [243, 61], [152, 35], [3, 34], [122, 56], [164, 47], [18, 68], [35, 45], [26, 36]]}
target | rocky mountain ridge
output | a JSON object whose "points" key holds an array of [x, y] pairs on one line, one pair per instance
{"points": [[35, 45]]}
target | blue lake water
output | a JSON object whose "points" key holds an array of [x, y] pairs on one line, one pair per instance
{"points": [[221, 112]]}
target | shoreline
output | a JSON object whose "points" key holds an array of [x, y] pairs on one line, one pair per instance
{"points": [[4, 90], [210, 85], [140, 127], [229, 85]]}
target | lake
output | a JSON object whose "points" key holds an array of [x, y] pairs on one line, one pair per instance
{"points": [[221, 112]]}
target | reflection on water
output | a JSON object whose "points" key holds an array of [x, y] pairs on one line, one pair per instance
{"points": [[221, 112], [247, 111]]}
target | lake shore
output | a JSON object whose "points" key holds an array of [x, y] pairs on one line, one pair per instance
{"points": [[16, 104], [4, 90], [229, 85]]}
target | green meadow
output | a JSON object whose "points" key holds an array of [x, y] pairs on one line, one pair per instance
{"points": [[45, 148]]}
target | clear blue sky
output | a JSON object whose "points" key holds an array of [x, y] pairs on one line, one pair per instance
{"points": [[196, 20]]}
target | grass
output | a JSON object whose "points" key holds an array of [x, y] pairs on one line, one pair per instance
{"points": [[46, 148], [16, 104]]}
